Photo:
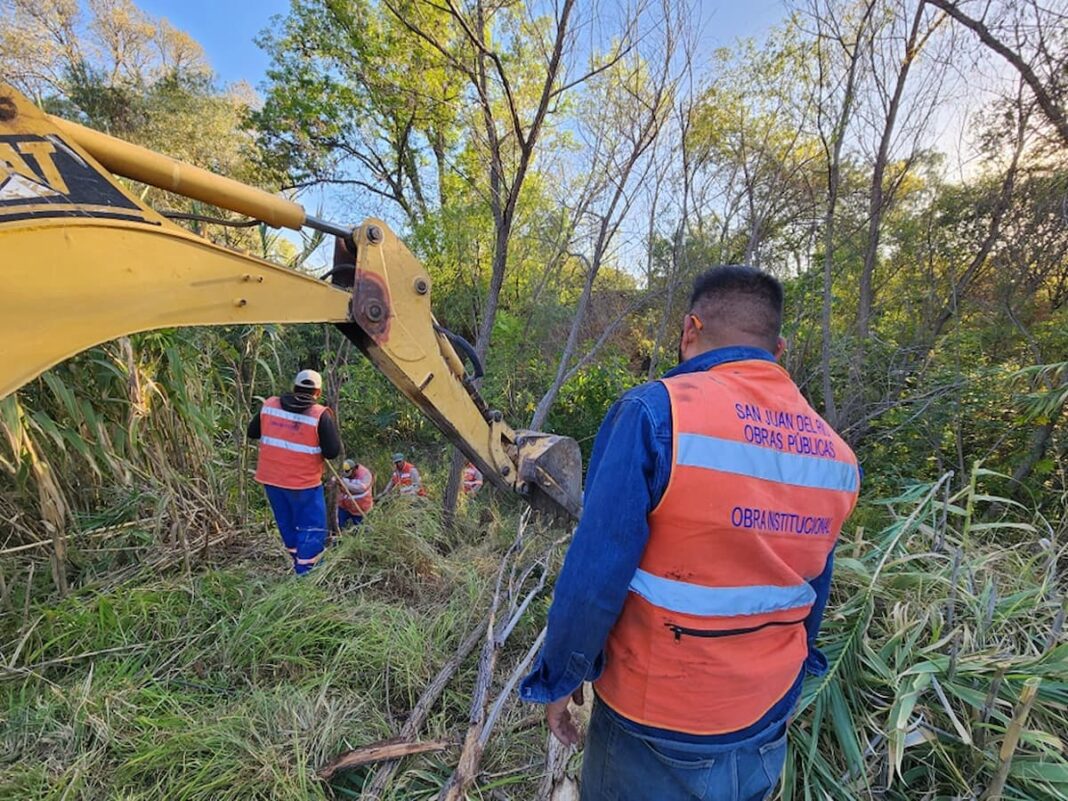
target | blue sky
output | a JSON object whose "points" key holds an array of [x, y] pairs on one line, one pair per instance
{"points": [[226, 28]]}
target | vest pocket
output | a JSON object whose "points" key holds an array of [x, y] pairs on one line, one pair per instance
{"points": [[680, 631]]}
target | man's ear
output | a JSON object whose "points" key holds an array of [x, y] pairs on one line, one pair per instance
{"points": [[689, 337], [780, 348]]}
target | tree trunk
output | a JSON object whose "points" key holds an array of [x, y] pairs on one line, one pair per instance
{"points": [[834, 161], [452, 488], [830, 411], [878, 202], [503, 203], [549, 398]]}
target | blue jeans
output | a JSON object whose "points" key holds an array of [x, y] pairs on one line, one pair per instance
{"points": [[344, 517], [301, 518], [620, 764]]}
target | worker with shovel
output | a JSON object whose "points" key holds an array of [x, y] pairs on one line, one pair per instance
{"points": [[296, 434]]}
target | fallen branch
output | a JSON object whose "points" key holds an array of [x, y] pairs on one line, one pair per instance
{"points": [[509, 686], [471, 755], [386, 749], [556, 785]]}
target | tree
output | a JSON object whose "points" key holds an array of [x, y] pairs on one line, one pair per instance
{"points": [[44, 44], [355, 100], [890, 80], [622, 115], [840, 36]]}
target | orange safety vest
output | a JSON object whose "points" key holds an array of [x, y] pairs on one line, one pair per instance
{"points": [[289, 446], [359, 503], [472, 478], [402, 480], [712, 632]]}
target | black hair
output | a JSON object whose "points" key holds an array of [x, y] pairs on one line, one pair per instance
{"points": [[741, 298]]}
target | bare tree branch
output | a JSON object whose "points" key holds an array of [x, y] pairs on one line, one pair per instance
{"points": [[1054, 113]]}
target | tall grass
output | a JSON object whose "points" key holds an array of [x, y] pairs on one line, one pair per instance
{"points": [[238, 681], [936, 625], [146, 432]]}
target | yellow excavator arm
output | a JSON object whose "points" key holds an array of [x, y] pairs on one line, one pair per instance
{"points": [[83, 261]]}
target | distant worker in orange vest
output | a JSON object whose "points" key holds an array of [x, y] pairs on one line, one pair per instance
{"points": [[472, 479], [355, 494], [296, 434], [694, 588], [405, 479]]}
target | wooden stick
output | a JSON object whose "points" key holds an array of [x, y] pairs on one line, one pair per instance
{"points": [[513, 621], [386, 749], [506, 692], [1012, 738], [471, 755], [5, 597], [556, 785], [989, 703], [29, 595]]}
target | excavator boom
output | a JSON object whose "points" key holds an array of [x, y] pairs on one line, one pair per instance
{"points": [[83, 261]]}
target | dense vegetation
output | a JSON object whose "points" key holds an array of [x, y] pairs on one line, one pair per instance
{"points": [[563, 174]]}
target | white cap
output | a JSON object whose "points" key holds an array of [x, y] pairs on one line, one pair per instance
{"points": [[309, 379]]}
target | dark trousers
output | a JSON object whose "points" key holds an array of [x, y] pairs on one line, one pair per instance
{"points": [[344, 517], [619, 764]]}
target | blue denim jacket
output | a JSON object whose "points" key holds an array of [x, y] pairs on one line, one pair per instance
{"points": [[627, 476]]}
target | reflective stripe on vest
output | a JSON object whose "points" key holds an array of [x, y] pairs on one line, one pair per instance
{"points": [[289, 452], [743, 459], [699, 600], [294, 417], [296, 447], [711, 634]]}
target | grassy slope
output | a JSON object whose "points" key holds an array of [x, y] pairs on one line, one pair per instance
{"points": [[239, 682]]}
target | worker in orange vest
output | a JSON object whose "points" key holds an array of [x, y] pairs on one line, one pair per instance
{"points": [[472, 479], [405, 479], [355, 496], [296, 434], [693, 599]]}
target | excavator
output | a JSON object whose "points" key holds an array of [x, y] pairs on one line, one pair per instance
{"points": [[84, 261]]}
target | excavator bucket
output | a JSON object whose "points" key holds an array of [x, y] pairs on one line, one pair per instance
{"points": [[551, 466]]}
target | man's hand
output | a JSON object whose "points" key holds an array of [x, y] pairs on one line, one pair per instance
{"points": [[559, 718]]}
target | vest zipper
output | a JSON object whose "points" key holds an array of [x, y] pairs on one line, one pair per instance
{"points": [[678, 630]]}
